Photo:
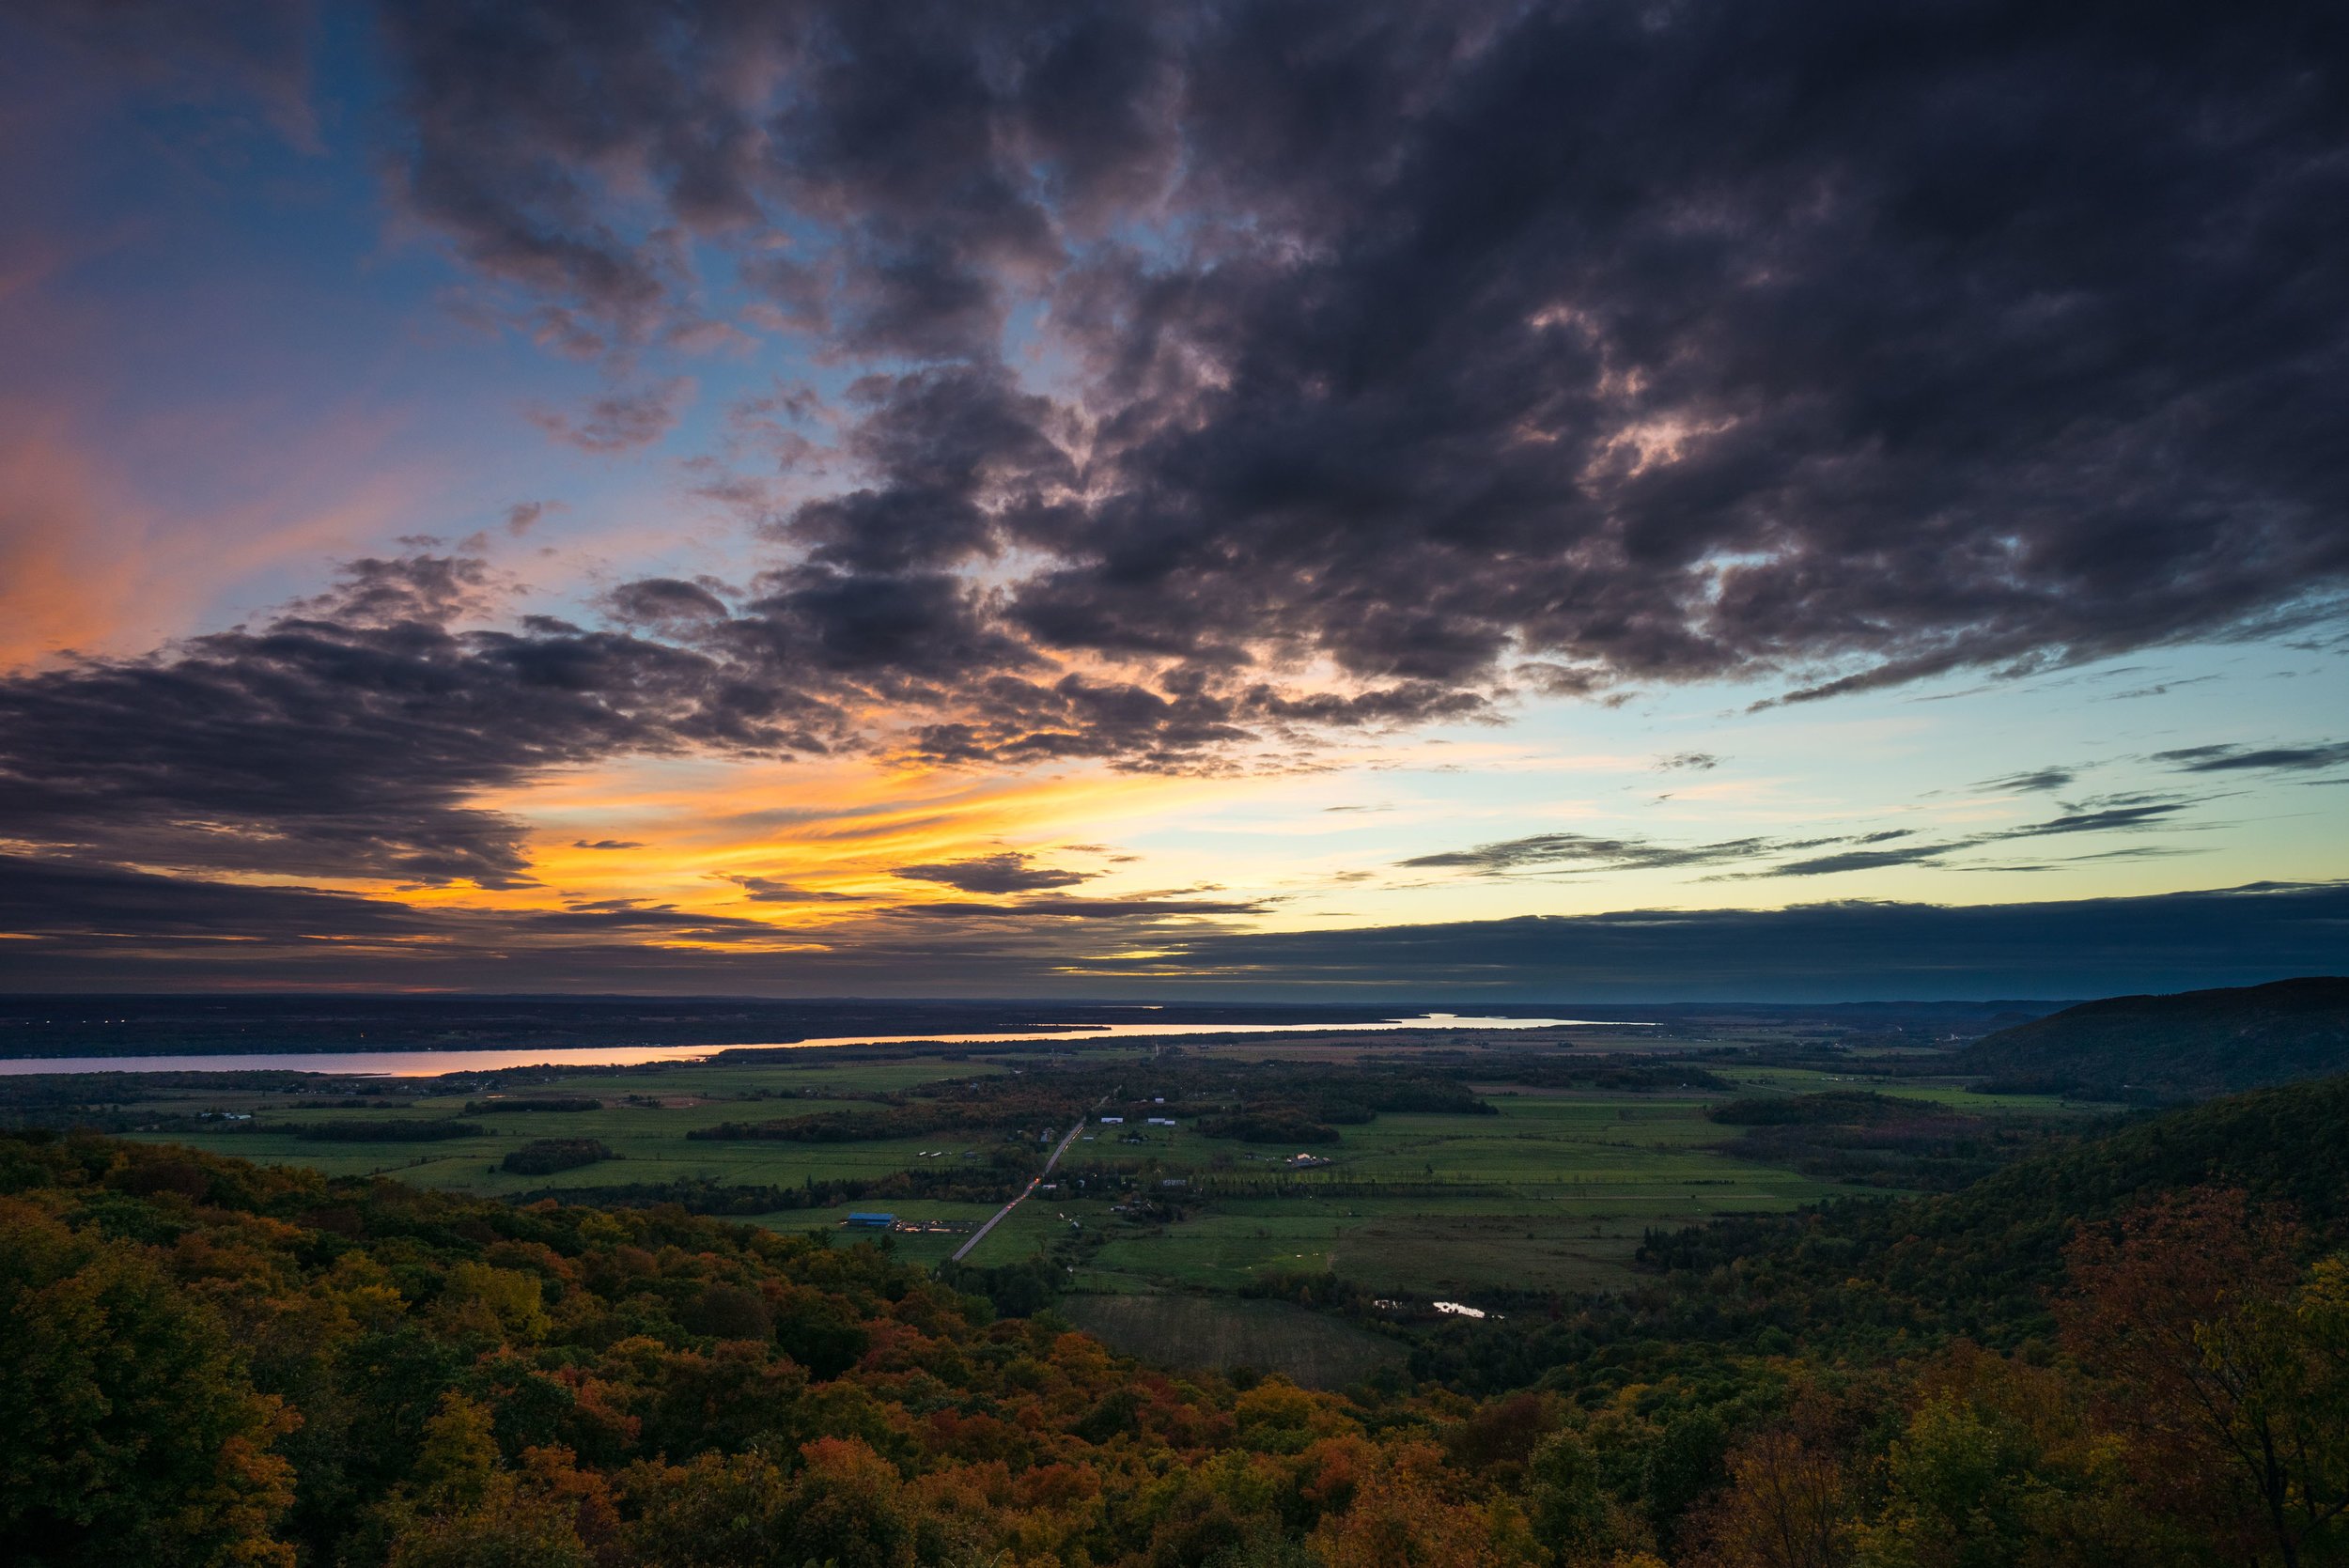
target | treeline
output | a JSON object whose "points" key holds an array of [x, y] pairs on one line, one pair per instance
{"points": [[544, 1157], [523, 1104], [1864, 1138], [121, 1102], [835, 1126], [1845, 1107], [1276, 1182], [1277, 1125], [1614, 1074], [431, 1131], [708, 1196], [953, 1110], [1270, 1102]]}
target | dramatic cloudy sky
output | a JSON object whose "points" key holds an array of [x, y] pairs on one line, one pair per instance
{"points": [[1702, 497]]}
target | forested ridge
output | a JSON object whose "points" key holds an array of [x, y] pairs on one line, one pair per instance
{"points": [[2132, 1350], [2165, 1048], [1863, 1282]]}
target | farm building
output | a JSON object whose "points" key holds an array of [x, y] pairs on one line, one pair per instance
{"points": [[1112, 1121], [871, 1222]]}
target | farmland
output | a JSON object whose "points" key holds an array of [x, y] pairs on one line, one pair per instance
{"points": [[1536, 1165]]}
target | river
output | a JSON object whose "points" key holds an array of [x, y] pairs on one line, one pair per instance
{"points": [[431, 1064]]}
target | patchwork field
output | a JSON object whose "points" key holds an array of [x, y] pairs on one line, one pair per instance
{"points": [[1551, 1189]]}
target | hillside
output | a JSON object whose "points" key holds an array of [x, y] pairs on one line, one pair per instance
{"points": [[239, 1366], [2190, 1046], [236, 1365], [1982, 1261], [1862, 1279]]}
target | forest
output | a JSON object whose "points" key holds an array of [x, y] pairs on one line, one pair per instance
{"points": [[2128, 1349]]}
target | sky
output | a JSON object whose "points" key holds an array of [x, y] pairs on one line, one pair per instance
{"points": [[1504, 502]]}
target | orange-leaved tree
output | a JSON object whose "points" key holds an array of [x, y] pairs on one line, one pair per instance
{"points": [[2226, 1365], [132, 1430], [1789, 1504]]}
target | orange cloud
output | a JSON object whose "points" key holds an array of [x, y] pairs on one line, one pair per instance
{"points": [[804, 844]]}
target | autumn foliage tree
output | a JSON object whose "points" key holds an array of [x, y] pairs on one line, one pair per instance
{"points": [[208, 1364], [2227, 1367], [132, 1431], [1999, 1462], [1789, 1503]]}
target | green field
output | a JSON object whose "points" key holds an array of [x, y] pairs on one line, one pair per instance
{"points": [[1551, 1193]]}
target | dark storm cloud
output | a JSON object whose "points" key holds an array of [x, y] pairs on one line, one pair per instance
{"points": [[958, 456], [345, 737], [1426, 339], [60, 904], [1010, 872], [666, 601], [1695, 762], [2230, 759], [63, 910]]}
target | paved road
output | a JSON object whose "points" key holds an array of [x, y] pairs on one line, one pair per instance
{"points": [[965, 1250]]}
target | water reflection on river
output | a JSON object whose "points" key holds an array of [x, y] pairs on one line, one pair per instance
{"points": [[430, 1063]]}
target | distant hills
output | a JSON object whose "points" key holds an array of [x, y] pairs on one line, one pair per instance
{"points": [[2190, 1046]]}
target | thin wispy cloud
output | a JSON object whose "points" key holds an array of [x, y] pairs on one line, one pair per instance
{"points": [[2041, 779], [1869, 851], [2240, 759]]}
